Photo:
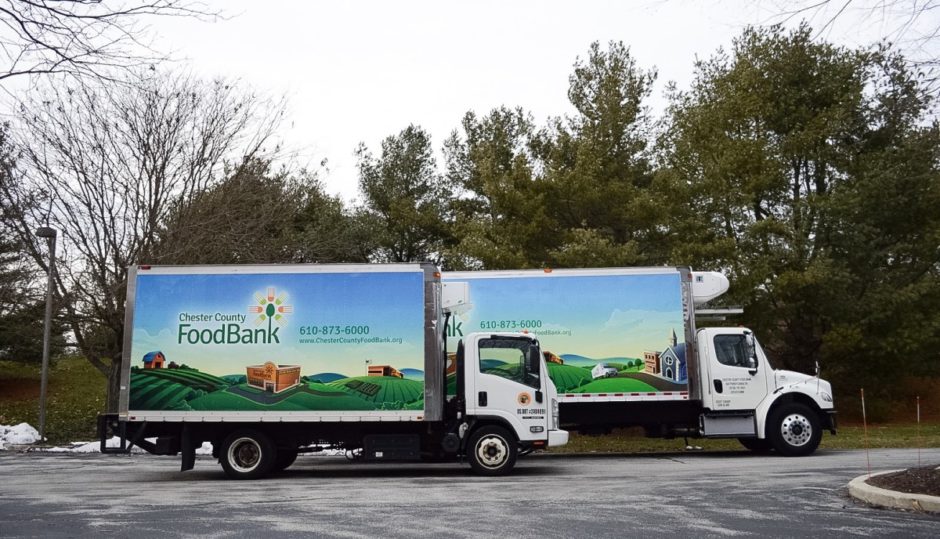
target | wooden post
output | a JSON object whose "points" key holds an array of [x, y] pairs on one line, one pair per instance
{"points": [[920, 440], [865, 425]]}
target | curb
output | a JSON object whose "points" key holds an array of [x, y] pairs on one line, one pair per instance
{"points": [[861, 490]]}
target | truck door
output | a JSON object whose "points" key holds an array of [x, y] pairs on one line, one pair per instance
{"points": [[737, 379], [506, 381]]}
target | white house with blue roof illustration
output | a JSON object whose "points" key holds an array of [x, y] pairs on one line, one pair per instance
{"points": [[668, 364]]}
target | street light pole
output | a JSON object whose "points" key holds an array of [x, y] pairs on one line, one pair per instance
{"points": [[50, 235]]}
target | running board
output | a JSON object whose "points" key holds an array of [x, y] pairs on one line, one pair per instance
{"points": [[729, 425]]}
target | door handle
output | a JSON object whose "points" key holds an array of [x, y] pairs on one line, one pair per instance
{"points": [[481, 398], [718, 386]]}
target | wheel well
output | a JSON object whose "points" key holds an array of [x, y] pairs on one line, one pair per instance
{"points": [[490, 421], [217, 433], [794, 398], [797, 397]]}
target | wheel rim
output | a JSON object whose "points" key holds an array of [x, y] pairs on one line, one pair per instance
{"points": [[244, 455], [492, 451], [796, 430]]}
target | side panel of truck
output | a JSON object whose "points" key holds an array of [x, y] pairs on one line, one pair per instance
{"points": [[282, 343], [614, 335]]}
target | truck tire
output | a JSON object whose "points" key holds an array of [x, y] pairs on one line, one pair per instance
{"points": [[247, 454], [492, 450], [794, 430], [285, 457], [756, 445]]}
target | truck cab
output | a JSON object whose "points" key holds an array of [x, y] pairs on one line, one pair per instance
{"points": [[743, 396], [506, 403]]}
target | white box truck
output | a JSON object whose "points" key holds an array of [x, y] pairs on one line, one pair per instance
{"points": [[267, 361], [623, 350]]}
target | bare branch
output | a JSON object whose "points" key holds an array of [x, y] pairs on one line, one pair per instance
{"points": [[83, 38], [911, 26], [108, 165]]}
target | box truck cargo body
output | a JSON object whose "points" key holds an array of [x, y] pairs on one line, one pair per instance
{"points": [[623, 350], [267, 361]]}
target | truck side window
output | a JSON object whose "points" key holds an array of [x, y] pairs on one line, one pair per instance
{"points": [[731, 350], [514, 359]]}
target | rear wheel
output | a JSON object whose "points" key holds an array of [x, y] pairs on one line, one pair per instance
{"points": [[794, 430], [492, 451], [247, 454], [757, 445]]}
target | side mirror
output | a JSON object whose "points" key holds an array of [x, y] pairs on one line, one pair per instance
{"points": [[751, 350], [533, 361]]}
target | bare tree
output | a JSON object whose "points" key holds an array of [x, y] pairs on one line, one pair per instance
{"points": [[911, 25], [82, 37], [108, 167]]}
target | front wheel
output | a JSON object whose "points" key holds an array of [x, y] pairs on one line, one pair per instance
{"points": [[247, 454], [794, 430], [492, 451]]}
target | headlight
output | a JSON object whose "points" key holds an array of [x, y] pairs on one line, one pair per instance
{"points": [[555, 413]]}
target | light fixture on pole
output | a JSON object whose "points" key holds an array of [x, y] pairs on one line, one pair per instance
{"points": [[50, 235]]}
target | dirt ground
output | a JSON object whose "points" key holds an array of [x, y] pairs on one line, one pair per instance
{"points": [[19, 389], [924, 480]]}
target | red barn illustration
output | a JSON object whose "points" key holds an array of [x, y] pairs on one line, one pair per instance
{"points": [[154, 360]]}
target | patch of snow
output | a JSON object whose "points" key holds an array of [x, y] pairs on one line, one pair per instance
{"points": [[206, 449], [22, 434], [94, 447], [115, 441]]}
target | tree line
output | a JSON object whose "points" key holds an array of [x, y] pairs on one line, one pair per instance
{"points": [[807, 172]]}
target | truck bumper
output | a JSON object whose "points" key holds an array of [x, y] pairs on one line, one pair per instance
{"points": [[557, 437], [830, 421]]}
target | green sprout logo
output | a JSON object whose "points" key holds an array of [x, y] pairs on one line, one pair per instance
{"points": [[271, 308]]}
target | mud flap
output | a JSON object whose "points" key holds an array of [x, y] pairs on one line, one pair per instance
{"points": [[187, 450], [110, 425]]}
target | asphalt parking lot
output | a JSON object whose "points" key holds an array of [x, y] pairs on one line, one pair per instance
{"points": [[681, 494]]}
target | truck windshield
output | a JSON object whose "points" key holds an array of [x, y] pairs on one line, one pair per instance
{"points": [[515, 359]]}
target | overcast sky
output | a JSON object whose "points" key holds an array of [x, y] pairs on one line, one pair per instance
{"points": [[360, 71]]}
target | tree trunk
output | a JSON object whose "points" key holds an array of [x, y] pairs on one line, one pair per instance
{"points": [[114, 386]]}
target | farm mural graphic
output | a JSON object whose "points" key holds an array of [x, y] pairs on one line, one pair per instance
{"points": [[286, 342], [599, 334]]}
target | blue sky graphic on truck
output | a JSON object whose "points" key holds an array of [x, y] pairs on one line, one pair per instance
{"points": [[218, 331], [606, 333]]}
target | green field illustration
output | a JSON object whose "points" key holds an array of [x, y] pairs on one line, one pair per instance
{"points": [[577, 374], [614, 385], [273, 388], [567, 378], [385, 392], [170, 389], [304, 397]]}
